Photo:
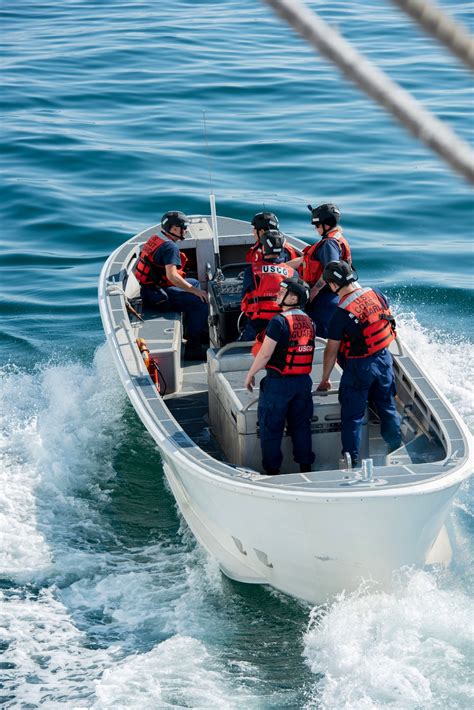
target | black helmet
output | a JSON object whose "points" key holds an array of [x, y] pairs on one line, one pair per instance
{"points": [[271, 242], [265, 220], [325, 214], [340, 273], [174, 219], [298, 286]]}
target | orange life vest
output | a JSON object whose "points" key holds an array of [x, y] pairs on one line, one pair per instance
{"points": [[150, 274], [261, 301], [311, 268], [296, 357], [255, 253], [376, 324]]}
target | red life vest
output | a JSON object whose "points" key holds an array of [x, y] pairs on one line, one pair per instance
{"points": [[311, 269], [150, 274], [255, 253], [261, 301], [376, 324], [296, 357]]}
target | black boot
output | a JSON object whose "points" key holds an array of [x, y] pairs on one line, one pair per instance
{"points": [[193, 350], [272, 471], [305, 467]]}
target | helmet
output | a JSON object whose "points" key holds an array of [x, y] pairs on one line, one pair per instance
{"points": [[298, 286], [325, 214], [265, 220], [340, 273], [271, 242], [174, 219]]}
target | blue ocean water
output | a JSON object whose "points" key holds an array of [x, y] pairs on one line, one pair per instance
{"points": [[107, 600]]}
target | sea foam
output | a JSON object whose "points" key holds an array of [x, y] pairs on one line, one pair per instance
{"points": [[91, 621], [412, 647]]}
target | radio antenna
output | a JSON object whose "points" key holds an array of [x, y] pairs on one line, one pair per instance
{"points": [[212, 200]]}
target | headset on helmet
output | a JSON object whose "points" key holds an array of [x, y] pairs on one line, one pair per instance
{"points": [[174, 219], [299, 287], [327, 213], [340, 273], [265, 220], [271, 242]]}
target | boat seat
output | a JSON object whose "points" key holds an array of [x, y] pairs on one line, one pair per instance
{"points": [[163, 335], [233, 411], [234, 357]]}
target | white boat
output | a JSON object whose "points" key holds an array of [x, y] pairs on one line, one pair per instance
{"points": [[310, 535]]}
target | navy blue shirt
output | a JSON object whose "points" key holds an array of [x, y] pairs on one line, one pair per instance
{"points": [[248, 283], [278, 330], [341, 323], [167, 254], [285, 255], [328, 251]]}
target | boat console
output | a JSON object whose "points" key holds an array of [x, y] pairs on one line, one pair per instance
{"points": [[225, 295]]}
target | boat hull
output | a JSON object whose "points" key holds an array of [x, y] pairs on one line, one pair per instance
{"points": [[311, 546]]}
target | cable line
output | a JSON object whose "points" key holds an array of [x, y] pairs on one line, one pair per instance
{"points": [[396, 100], [438, 24]]}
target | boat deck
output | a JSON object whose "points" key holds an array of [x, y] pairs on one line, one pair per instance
{"points": [[191, 409]]}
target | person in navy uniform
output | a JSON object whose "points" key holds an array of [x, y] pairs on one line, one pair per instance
{"points": [[359, 334], [286, 352], [262, 222], [160, 271], [332, 246], [261, 283]]}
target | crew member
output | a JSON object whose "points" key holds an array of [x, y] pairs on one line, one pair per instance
{"points": [[161, 273], [261, 282], [359, 334], [286, 353], [331, 247], [262, 222]]}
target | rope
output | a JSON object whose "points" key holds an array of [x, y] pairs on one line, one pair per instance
{"points": [[438, 24], [404, 107]]}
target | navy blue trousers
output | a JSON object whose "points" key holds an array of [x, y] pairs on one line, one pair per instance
{"points": [[175, 299], [321, 310], [363, 380], [285, 399]]}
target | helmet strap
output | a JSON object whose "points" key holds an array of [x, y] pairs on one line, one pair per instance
{"points": [[348, 283], [283, 303], [335, 284], [173, 236], [294, 305]]}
